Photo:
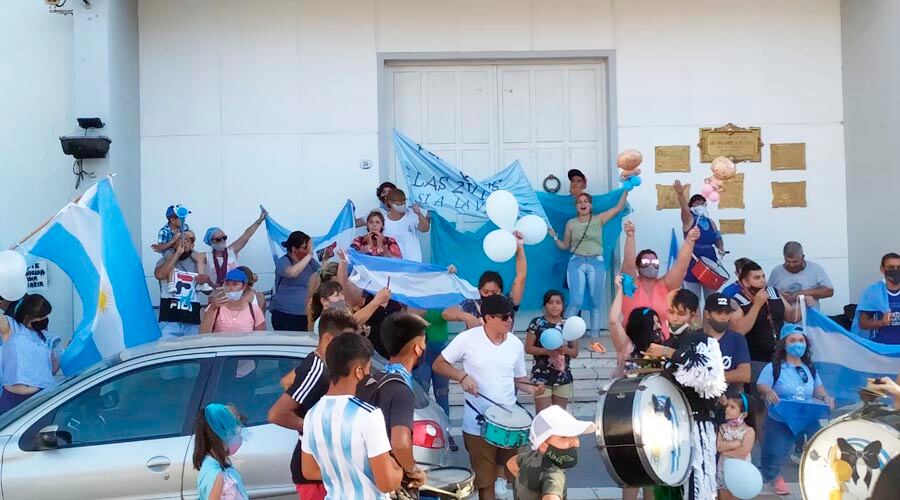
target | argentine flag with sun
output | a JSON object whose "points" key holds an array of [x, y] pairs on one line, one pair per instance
{"points": [[90, 242]]}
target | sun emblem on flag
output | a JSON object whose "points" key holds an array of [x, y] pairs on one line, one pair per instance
{"points": [[104, 301]]}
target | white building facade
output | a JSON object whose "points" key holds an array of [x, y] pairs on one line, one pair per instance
{"points": [[223, 105]]}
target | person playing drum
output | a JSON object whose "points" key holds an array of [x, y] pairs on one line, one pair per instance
{"points": [[541, 473], [710, 244], [493, 363]]}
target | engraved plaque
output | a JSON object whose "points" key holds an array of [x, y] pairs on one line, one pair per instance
{"points": [[666, 197], [732, 226], [733, 196], [788, 156], [788, 194], [673, 158], [733, 142]]}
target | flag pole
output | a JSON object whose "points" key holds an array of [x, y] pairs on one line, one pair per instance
{"points": [[802, 304], [36, 230]]}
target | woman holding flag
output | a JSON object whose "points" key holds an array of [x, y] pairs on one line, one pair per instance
{"points": [[292, 274], [30, 353]]}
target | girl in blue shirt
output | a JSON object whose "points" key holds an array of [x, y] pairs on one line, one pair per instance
{"points": [[30, 355], [789, 377], [217, 436]]}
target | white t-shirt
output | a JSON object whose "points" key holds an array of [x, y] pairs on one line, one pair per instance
{"points": [[342, 433], [493, 367], [406, 232]]}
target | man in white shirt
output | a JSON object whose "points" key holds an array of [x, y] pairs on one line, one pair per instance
{"points": [[798, 277], [493, 363], [345, 443]]}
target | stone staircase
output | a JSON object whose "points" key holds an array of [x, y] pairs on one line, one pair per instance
{"points": [[590, 372]]}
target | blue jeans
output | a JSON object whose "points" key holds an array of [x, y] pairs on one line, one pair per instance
{"points": [[170, 329], [778, 442], [425, 376], [587, 272]]}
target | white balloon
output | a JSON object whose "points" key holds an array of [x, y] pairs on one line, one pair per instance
{"points": [[533, 229], [499, 245], [574, 328], [742, 478], [503, 209], [12, 275]]}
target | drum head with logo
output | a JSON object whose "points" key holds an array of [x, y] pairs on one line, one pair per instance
{"points": [[511, 417], [845, 458], [662, 421]]}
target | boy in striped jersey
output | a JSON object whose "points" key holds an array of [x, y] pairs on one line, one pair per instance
{"points": [[310, 381], [345, 443]]}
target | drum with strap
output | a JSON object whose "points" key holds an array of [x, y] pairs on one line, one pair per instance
{"points": [[644, 431], [506, 426], [844, 459], [448, 483], [709, 273]]}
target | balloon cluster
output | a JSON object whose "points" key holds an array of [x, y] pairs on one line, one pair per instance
{"points": [[503, 210], [723, 169], [572, 330], [629, 161], [12, 275]]}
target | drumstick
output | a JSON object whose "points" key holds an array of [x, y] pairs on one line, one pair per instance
{"points": [[438, 490], [489, 400]]}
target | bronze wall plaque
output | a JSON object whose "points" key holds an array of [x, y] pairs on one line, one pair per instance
{"points": [[666, 198], [788, 194], [732, 226], [788, 156], [673, 159], [733, 196], [733, 142]]}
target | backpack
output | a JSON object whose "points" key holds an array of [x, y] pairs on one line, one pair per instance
{"points": [[369, 389]]}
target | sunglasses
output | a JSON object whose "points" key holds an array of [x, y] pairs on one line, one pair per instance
{"points": [[502, 317], [649, 262], [802, 374], [220, 239]]}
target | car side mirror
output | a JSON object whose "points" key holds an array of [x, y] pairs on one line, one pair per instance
{"points": [[51, 438]]}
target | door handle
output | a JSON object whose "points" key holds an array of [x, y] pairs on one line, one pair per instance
{"points": [[158, 463]]}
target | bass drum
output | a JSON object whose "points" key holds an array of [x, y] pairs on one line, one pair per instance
{"points": [[844, 459], [644, 431]]}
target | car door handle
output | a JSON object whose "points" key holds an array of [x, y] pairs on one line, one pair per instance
{"points": [[158, 463]]}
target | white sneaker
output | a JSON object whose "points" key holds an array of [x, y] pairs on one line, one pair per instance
{"points": [[501, 489]]}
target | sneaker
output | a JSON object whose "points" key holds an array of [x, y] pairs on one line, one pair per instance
{"points": [[453, 445], [780, 486], [501, 490]]}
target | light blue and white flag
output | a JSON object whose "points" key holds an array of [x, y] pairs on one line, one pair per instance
{"points": [[340, 235], [844, 360], [418, 285], [437, 185], [673, 250], [90, 242]]}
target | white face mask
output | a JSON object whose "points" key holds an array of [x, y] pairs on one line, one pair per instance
{"points": [[219, 246], [400, 207], [234, 296], [699, 210]]}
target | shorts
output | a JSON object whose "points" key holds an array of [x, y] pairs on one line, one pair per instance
{"points": [[565, 391], [311, 491], [484, 458]]}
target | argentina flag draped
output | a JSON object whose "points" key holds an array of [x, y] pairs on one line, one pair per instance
{"points": [[90, 242], [844, 360], [339, 235]]}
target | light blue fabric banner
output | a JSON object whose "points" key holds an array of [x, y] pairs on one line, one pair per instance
{"points": [[546, 263], [439, 186], [340, 234]]}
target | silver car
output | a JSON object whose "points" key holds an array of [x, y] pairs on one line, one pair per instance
{"points": [[124, 429]]}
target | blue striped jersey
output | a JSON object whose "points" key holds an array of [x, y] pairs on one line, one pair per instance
{"points": [[342, 433]]}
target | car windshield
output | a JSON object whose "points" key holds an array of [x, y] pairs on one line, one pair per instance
{"points": [[36, 400], [421, 398]]}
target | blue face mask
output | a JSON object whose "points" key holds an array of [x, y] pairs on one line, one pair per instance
{"points": [[797, 349]]}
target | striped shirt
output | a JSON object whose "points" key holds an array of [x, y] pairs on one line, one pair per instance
{"points": [[27, 357], [310, 384], [342, 433], [166, 234]]}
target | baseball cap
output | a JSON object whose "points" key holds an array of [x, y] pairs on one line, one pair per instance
{"points": [[717, 302], [170, 212], [236, 275], [554, 421], [496, 305], [790, 328], [575, 173]]}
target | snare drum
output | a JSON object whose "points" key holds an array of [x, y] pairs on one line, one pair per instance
{"points": [[844, 459], [454, 482], [644, 431], [506, 426]]}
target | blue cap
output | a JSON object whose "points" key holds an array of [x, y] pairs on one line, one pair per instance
{"points": [[236, 275], [790, 328], [209, 234], [170, 212]]}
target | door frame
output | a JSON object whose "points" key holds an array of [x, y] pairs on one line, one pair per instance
{"points": [[384, 59]]}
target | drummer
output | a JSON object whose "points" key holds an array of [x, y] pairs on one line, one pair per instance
{"points": [[493, 362], [710, 244]]}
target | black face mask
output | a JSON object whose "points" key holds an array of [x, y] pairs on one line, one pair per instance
{"points": [[753, 291], [185, 255], [40, 325], [418, 361], [893, 275], [718, 326], [564, 459]]}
